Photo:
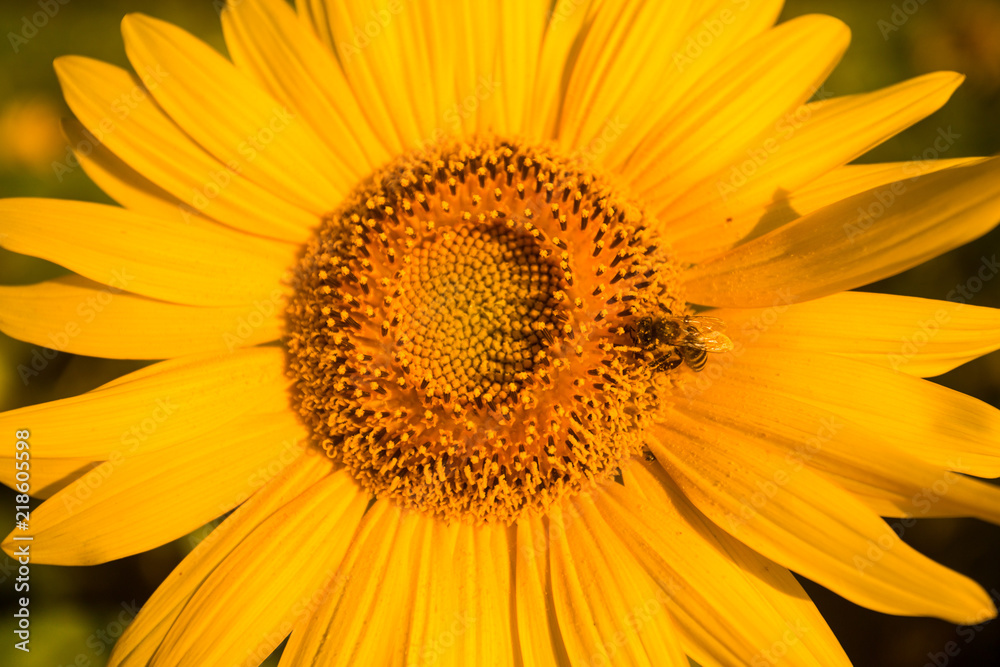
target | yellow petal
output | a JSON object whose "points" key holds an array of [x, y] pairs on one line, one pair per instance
{"points": [[942, 427], [851, 180], [555, 63], [580, 622], [786, 207], [537, 626], [357, 612], [441, 590], [922, 337], [267, 41], [130, 503], [799, 148], [802, 632], [52, 474], [618, 610], [255, 134], [522, 27], [885, 477], [623, 54], [198, 266], [144, 636], [809, 525], [713, 31], [314, 14], [123, 183], [428, 73], [724, 113], [429, 589], [482, 577], [479, 88], [341, 24], [115, 106], [153, 408], [76, 315], [441, 618], [703, 570], [854, 242], [272, 580]]}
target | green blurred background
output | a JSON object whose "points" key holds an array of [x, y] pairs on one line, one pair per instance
{"points": [[76, 612]]}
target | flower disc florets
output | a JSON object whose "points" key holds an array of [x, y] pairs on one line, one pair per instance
{"points": [[459, 329]]}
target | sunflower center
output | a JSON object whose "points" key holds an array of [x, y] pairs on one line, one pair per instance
{"points": [[471, 330], [474, 309]]}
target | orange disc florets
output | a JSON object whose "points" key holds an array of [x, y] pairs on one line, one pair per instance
{"points": [[458, 331]]}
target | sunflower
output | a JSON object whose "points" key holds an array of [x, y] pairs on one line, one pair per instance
{"points": [[503, 333]]}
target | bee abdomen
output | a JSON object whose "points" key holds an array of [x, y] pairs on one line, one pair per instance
{"points": [[694, 358]]}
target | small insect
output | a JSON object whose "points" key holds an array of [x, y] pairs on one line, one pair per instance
{"points": [[676, 340]]}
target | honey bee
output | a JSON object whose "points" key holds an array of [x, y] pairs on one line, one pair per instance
{"points": [[675, 340]]}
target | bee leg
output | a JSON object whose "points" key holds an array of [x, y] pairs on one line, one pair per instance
{"points": [[665, 362]]}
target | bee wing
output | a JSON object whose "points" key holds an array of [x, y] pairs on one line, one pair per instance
{"points": [[710, 341], [707, 323]]}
